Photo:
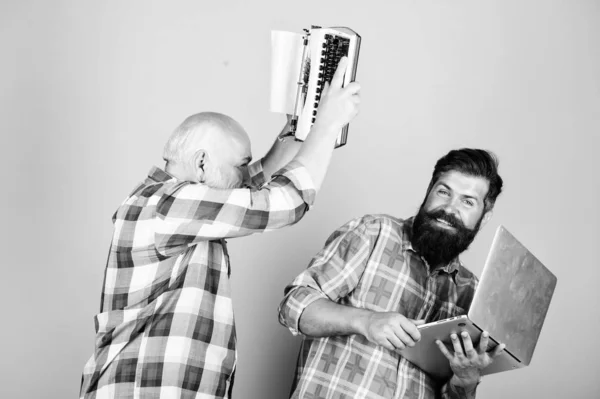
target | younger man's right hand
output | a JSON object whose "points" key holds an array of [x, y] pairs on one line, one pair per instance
{"points": [[392, 330]]}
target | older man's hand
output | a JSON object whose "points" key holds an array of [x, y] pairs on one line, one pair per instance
{"points": [[468, 363], [338, 105]]}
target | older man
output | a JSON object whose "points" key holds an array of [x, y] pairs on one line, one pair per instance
{"points": [[166, 327], [378, 277]]}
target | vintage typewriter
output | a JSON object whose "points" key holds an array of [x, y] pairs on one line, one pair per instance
{"points": [[321, 50]]}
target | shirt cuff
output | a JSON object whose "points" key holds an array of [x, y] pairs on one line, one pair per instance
{"points": [[293, 305], [449, 391], [301, 179]]}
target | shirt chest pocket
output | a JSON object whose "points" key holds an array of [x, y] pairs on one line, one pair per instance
{"points": [[391, 289]]}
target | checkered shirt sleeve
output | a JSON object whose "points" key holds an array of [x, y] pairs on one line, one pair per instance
{"points": [[448, 391], [189, 213], [257, 175], [333, 273]]}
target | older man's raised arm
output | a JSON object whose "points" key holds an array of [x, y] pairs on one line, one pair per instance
{"points": [[339, 105]]}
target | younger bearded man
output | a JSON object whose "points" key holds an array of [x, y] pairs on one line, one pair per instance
{"points": [[362, 297]]}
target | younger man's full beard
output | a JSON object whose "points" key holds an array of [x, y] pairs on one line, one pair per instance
{"points": [[439, 246]]}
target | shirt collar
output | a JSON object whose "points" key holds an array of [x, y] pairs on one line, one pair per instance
{"points": [[159, 175], [451, 268]]}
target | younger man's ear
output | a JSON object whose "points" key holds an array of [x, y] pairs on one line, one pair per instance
{"points": [[486, 217]]}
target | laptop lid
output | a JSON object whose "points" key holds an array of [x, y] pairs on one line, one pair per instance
{"points": [[513, 295]]}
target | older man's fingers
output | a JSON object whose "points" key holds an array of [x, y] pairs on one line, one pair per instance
{"points": [[338, 76]]}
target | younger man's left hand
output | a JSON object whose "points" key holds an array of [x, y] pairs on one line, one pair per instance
{"points": [[468, 363]]}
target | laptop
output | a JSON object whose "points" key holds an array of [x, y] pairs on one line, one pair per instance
{"points": [[510, 303]]}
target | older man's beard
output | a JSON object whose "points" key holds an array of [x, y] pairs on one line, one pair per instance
{"points": [[219, 177], [439, 246]]}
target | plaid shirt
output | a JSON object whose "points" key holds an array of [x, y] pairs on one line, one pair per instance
{"points": [[166, 327], [370, 263]]}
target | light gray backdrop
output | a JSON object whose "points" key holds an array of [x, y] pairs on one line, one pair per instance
{"points": [[90, 91]]}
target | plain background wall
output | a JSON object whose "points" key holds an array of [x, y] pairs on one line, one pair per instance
{"points": [[90, 91]]}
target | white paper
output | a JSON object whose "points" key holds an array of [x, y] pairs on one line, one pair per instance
{"points": [[286, 62]]}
